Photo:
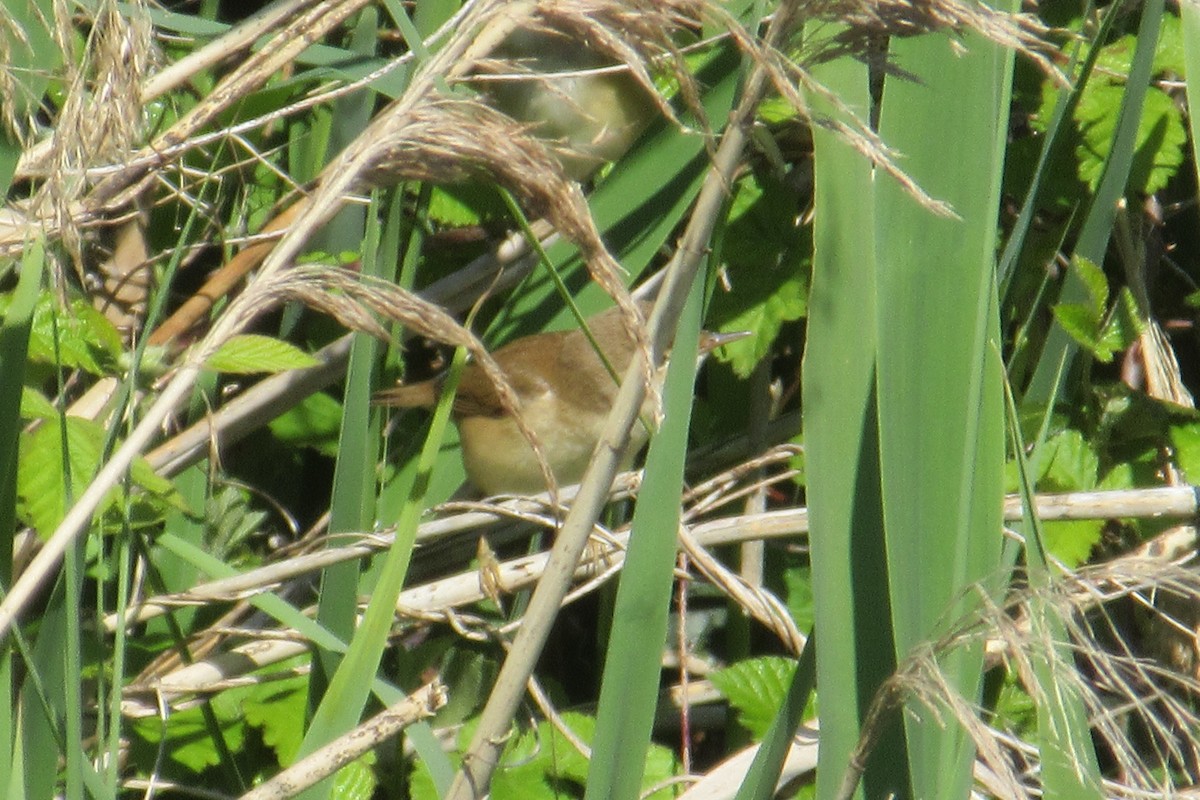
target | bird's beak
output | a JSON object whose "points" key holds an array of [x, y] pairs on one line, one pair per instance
{"points": [[710, 341]]}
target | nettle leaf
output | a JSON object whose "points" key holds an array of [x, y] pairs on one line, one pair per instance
{"points": [[1185, 439], [1116, 58], [1095, 281], [184, 735], [316, 422], [251, 352], [756, 688], [1080, 322], [1093, 325], [35, 405], [465, 205], [356, 780], [42, 491], [775, 110], [1169, 56], [1073, 466], [542, 763], [277, 709], [763, 246], [1072, 542], [76, 336], [797, 581], [1161, 136], [1124, 325]]}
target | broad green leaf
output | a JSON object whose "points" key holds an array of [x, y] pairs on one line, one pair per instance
{"points": [[462, 205], [1185, 439], [939, 382], [276, 708], [1072, 542], [1124, 324], [314, 423], [42, 492], [755, 688], [356, 780], [184, 735], [251, 352], [1074, 465], [841, 438], [762, 245], [797, 581], [542, 764], [1116, 58], [1094, 281], [76, 335], [1158, 149], [1080, 322]]}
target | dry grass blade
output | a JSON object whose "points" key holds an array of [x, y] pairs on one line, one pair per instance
{"points": [[1128, 690]]}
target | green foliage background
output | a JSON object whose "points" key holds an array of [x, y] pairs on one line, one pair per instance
{"points": [[1073, 248]]}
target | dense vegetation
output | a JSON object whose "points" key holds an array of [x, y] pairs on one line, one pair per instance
{"points": [[964, 243]]}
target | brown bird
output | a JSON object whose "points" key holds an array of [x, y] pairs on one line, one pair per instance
{"points": [[566, 393]]}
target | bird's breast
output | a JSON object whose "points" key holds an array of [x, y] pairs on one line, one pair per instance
{"points": [[499, 460]]}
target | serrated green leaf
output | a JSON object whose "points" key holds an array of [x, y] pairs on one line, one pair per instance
{"points": [[76, 336], [543, 764], [776, 109], [1074, 465], [1095, 281], [1185, 439], [762, 241], [356, 780], [251, 352], [42, 494], [277, 709], [756, 688], [314, 423], [797, 581], [1169, 56], [1129, 315], [1116, 58], [1072, 542], [764, 320], [1080, 322], [35, 405], [1158, 151], [464, 205], [184, 735], [1123, 327]]}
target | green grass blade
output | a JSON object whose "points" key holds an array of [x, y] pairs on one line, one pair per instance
{"points": [[1068, 758], [352, 505], [1097, 226], [14, 345], [629, 689], [842, 445], [1190, 14], [940, 418], [1053, 148], [763, 775], [343, 703]]}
